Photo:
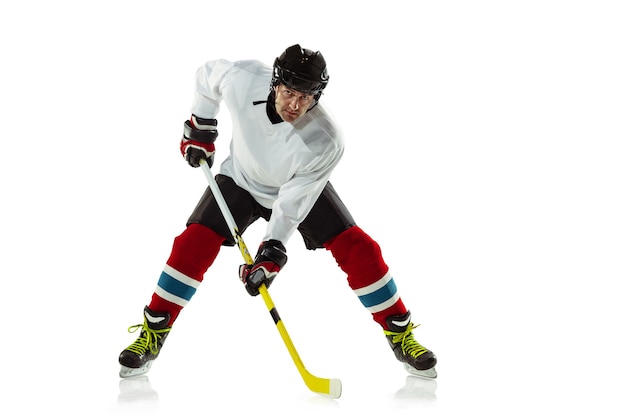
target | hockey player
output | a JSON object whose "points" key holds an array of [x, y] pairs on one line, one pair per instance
{"points": [[283, 149]]}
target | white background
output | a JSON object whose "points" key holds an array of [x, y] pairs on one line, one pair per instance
{"points": [[485, 155]]}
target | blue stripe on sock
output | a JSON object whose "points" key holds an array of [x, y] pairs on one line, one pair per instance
{"points": [[173, 286], [380, 295]]}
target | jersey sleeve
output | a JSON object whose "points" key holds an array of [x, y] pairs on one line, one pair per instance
{"points": [[210, 81]]}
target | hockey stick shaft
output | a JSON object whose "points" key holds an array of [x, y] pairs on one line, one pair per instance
{"points": [[323, 386]]}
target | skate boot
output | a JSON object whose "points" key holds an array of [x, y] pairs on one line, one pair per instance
{"points": [[416, 358], [137, 358]]}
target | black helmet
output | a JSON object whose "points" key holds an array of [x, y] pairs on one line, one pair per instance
{"points": [[301, 70]]}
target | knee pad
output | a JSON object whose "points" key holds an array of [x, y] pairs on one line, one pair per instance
{"points": [[359, 256], [194, 250]]}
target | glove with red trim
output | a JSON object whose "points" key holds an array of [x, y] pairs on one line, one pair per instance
{"points": [[270, 258], [197, 141]]}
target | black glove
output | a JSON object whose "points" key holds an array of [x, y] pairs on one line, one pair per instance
{"points": [[197, 141], [270, 258]]}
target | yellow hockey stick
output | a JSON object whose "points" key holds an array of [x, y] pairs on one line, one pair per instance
{"points": [[323, 386]]}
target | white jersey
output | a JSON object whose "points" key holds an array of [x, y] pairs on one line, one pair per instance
{"points": [[284, 166]]}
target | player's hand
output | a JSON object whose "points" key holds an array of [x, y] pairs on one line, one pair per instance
{"points": [[270, 258], [198, 140]]}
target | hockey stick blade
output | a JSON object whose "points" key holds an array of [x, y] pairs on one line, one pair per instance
{"points": [[330, 388]]}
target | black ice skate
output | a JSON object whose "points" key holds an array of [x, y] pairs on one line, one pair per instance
{"points": [[137, 358], [416, 358]]}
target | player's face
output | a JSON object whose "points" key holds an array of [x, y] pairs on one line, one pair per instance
{"points": [[291, 104]]}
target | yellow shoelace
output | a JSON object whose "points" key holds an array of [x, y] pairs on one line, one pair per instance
{"points": [[407, 343], [147, 340]]}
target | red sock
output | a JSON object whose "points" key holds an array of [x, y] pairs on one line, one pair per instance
{"points": [[359, 256], [192, 254]]}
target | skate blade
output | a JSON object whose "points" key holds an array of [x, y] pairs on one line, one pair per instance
{"points": [[126, 372], [426, 373]]}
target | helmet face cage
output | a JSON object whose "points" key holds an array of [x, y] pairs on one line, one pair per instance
{"points": [[301, 70]]}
